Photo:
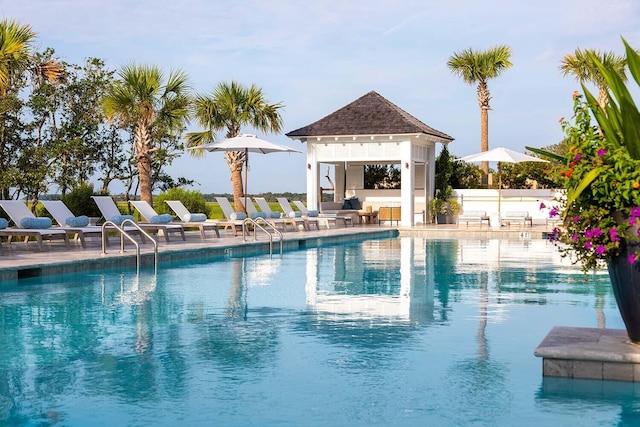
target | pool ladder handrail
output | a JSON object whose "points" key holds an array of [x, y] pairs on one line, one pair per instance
{"points": [[123, 234], [256, 226]]}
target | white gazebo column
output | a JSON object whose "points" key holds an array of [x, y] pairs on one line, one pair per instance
{"points": [[313, 179], [407, 184], [340, 182], [430, 175]]}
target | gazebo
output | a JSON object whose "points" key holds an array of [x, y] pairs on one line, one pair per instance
{"points": [[373, 131]]}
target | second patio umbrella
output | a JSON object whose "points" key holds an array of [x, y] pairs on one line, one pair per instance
{"points": [[500, 155], [249, 144]]}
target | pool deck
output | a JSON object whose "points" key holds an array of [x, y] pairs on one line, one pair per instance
{"points": [[566, 352]]}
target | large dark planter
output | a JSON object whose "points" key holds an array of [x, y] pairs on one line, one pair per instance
{"points": [[625, 281]]}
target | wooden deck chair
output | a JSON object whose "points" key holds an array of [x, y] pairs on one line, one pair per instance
{"points": [[66, 219], [234, 220], [28, 225]]}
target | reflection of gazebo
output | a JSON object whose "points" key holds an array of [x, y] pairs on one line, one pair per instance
{"points": [[371, 130]]}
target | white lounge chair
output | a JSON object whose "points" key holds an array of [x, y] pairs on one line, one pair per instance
{"points": [[272, 218], [294, 222], [289, 212], [61, 214], [327, 219], [18, 211], [148, 213], [110, 212], [234, 220]]}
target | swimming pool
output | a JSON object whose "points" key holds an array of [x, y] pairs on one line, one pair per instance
{"points": [[404, 331]]}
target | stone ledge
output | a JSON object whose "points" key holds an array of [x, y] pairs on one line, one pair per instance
{"points": [[604, 354]]}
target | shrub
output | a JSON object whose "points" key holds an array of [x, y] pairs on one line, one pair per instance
{"points": [[193, 200], [79, 201]]}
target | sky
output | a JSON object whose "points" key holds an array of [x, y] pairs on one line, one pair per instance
{"points": [[316, 56]]}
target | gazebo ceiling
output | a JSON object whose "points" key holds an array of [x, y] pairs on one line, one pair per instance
{"points": [[371, 114]]}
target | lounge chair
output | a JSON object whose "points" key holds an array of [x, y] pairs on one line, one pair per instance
{"points": [[295, 222], [110, 212], [327, 219], [272, 218], [187, 217], [27, 225], [234, 220], [67, 220], [289, 212], [149, 214]]}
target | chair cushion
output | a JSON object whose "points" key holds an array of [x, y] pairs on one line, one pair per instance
{"points": [[161, 219], [39, 222], [255, 215], [3, 223], [313, 213], [237, 215], [295, 214], [194, 217], [276, 215], [77, 221], [119, 219]]}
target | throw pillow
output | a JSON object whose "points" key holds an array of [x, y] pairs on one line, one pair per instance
{"points": [[161, 219], [33, 222], [77, 221]]}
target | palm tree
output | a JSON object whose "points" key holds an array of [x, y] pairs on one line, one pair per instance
{"points": [[476, 67], [230, 107], [585, 70], [16, 56], [142, 101]]}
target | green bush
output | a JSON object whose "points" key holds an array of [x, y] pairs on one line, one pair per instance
{"points": [[193, 200], [79, 201]]}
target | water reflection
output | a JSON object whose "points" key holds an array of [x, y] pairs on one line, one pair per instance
{"points": [[369, 296]]}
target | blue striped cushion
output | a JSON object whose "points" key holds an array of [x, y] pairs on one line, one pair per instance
{"points": [[77, 221], [238, 215], [39, 222], [3, 223], [255, 215], [195, 217], [160, 219], [118, 219]]}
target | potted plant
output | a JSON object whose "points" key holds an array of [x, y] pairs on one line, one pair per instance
{"points": [[438, 210], [600, 211]]}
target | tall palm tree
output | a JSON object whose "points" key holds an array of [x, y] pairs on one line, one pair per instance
{"points": [[142, 101], [230, 107], [585, 70], [476, 67]]}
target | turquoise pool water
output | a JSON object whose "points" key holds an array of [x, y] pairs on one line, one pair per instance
{"points": [[398, 332]]}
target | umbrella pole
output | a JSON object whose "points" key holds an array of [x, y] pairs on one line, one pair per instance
{"points": [[246, 168], [499, 188]]}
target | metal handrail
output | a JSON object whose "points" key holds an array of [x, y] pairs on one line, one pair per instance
{"points": [[256, 226], [123, 234]]}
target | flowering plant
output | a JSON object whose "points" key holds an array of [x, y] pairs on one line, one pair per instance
{"points": [[600, 210]]}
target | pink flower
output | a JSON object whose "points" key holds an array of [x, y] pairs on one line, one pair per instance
{"points": [[588, 246], [576, 219], [577, 158], [553, 212], [613, 234], [635, 211], [542, 205], [631, 258], [600, 249], [602, 152], [575, 237]]}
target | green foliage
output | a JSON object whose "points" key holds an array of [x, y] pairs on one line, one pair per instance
{"points": [[602, 182], [381, 177], [79, 201], [620, 120], [444, 171], [193, 200]]}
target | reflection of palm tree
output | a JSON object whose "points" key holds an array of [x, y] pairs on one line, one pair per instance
{"points": [[236, 306]]}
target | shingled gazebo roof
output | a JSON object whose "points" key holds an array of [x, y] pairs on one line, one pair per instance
{"points": [[371, 114]]}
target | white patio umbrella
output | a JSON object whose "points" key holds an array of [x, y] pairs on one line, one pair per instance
{"points": [[249, 144], [500, 155]]}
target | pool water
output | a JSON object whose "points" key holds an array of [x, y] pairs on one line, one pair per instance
{"points": [[392, 332]]}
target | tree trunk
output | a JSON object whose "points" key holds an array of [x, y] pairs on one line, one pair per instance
{"points": [[484, 136], [144, 147], [235, 160]]}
